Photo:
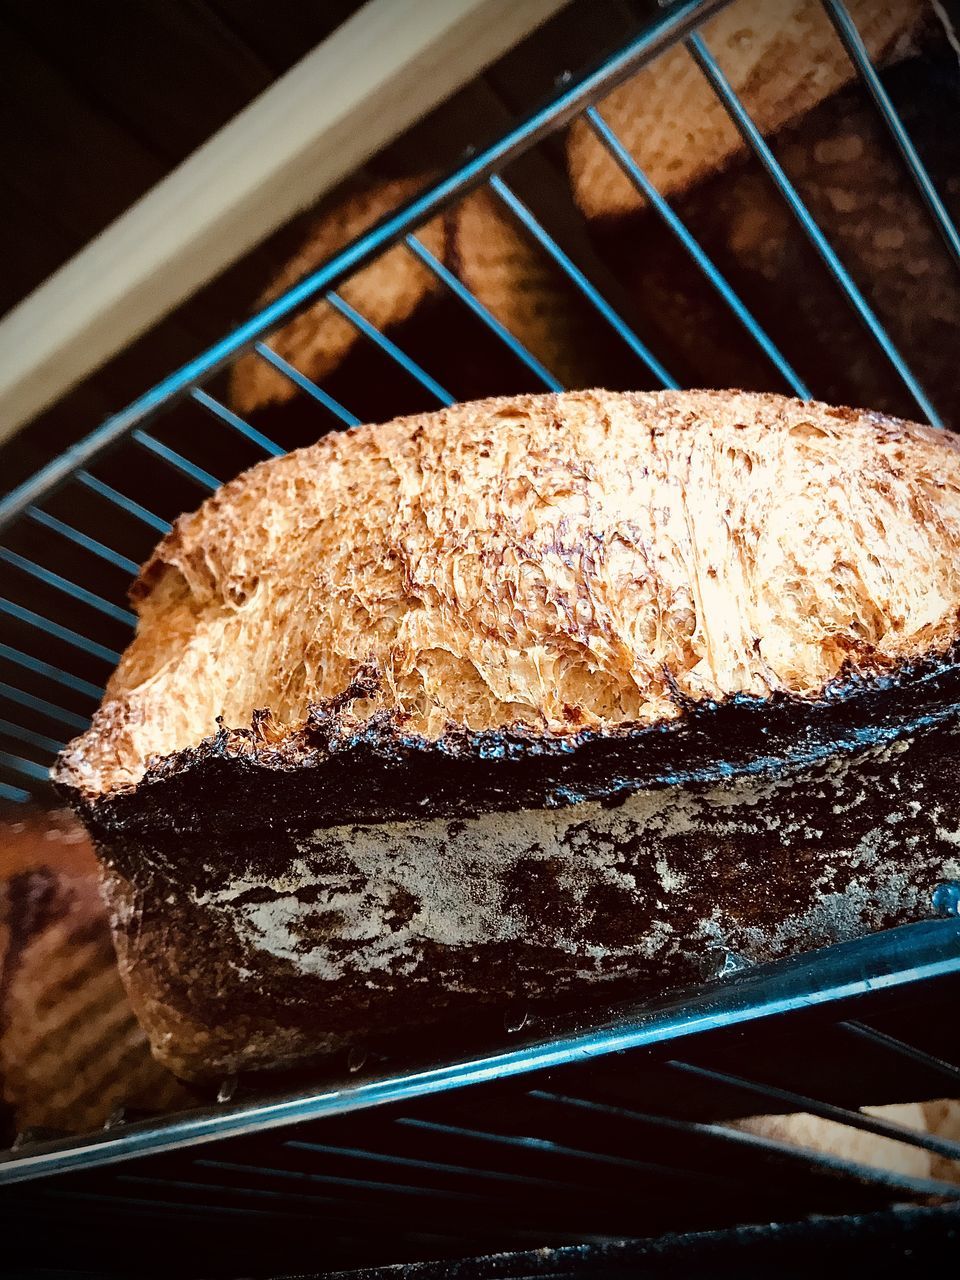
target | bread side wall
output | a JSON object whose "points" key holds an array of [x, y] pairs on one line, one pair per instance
{"points": [[387, 926]]}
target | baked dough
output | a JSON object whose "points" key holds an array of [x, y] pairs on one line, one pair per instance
{"points": [[527, 699]]}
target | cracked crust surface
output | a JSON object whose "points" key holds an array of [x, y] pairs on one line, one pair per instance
{"points": [[588, 562], [527, 699]]}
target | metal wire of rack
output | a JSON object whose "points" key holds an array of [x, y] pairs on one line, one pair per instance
{"points": [[568, 1132], [617, 1125], [890, 1243]]}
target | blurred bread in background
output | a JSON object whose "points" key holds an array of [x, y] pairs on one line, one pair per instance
{"points": [[476, 239], [71, 1051], [844, 165], [782, 57], [830, 1138], [792, 73]]}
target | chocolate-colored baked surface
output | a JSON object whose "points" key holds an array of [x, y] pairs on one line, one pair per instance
{"points": [[521, 700]]}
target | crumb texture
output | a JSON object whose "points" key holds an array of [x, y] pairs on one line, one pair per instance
{"points": [[584, 561]]}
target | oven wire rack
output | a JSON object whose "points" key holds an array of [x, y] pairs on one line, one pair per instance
{"points": [[611, 1126]]}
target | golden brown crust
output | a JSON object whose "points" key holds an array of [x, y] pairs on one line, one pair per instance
{"points": [[585, 561], [782, 57]]}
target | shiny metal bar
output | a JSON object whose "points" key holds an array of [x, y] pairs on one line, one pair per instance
{"points": [[583, 284], [908, 1051], [306, 384], [738, 1137], [307, 1178], [28, 768], [427, 1166], [712, 272], [390, 348], [68, 588], [548, 1146], [470, 300], [176, 460], [894, 959], [82, 540], [31, 739], [121, 500], [233, 420], [96, 650], [42, 707], [40, 668], [15, 795], [761, 149], [857, 51], [842, 1115]]}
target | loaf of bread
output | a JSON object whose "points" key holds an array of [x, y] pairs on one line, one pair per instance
{"points": [[71, 1052], [523, 700]]}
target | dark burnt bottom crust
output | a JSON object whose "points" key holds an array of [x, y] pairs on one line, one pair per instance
{"points": [[288, 939], [330, 773]]}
